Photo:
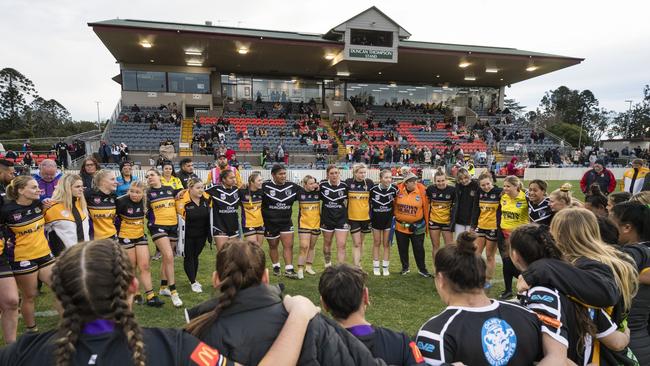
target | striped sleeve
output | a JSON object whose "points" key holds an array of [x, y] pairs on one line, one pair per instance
{"points": [[547, 304]]}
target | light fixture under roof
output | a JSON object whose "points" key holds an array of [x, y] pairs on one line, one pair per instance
{"points": [[193, 52], [464, 64], [342, 73], [438, 76], [376, 90], [531, 68], [420, 87], [392, 85], [492, 70], [379, 73], [470, 78], [382, 88], [242, 50], [151, 61], [146, 44], [330, 56], [194, 63], [362, 84]]}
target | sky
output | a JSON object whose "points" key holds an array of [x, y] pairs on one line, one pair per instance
{"points": [[50, 42]]}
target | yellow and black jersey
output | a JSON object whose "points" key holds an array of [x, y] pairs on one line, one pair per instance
{"points": [[129, 219], [486, 211], [359, 199], [101, 208], [161, 207], [24, 231], [173, 182], [309, 213], [251, 202], [67, 226], [514, 212], [442, 201]]}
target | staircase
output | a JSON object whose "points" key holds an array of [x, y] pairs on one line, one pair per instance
{"points": [[187, 129], [342, 152]]}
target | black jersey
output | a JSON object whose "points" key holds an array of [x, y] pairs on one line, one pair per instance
{"points": [[540, 213], [129, 218], [24, 231], [334, 208], [381, 199], [172, 347], [441, 201], [277, 202], [501, 333], [225, 203], [392, 347]]}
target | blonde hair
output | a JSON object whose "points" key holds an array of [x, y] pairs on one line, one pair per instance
{"points": [[63, 192], [514, 181], [463, 172], [16, 184], [563, 194], [384, 172], [439, 173], [358, 166], [485, 175], [101, 174], [306, 179], [143, 186], [643, 197], [577, 234]]}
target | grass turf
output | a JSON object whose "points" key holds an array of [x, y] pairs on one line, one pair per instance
{"points": [[397, 302]]}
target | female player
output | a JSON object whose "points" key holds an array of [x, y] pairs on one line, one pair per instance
{"points": [[168, 179], [485, 216], [225, 202], [308, 224], [514, 213], [382, 216], [633, 222], [129, 221], [596, 202], [9, 300], [66, 221], [539, 210], [333, 217], [467, 190], [101, 205], [30, 256], [616, 198], [441, 197], [252, 222], [474, 329], [358, 209], [95, 283], [125, 178], [195, 227], [561, 198], [162, 223]]}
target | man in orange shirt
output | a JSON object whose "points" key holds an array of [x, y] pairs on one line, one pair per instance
{"points": [[411, 214]]}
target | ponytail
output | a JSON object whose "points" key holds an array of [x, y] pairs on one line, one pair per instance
{"points": [[461, 265], [18, 183], [534, 242]]}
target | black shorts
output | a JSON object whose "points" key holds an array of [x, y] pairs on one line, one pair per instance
{"points": [[229, 233], [132, 243], [273, 231], [328, 225], [438, 226], [382, 220], [32, 265], [5, 267], [248, 231], [159, 231], [490, 235], [309, 231], [225, 225], [356, 226]]}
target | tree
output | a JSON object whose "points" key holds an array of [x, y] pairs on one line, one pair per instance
{"points": [[570, 133], [514, 107], [14, 90], [569, 106], [634, 123], [42, 116]]}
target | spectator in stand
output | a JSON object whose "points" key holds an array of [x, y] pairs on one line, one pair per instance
{"points": [[115, 154], [233, 161], [47, 178], [135, 108], [633, 178], [61, 149], [28, 160], [27, 146], [89, 167], [511, 167], [11, 154], [600, 175], [104, 152]]}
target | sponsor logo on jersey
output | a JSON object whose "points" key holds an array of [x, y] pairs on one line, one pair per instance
{"points": [[169, 192], [302, 196], [518, 204], [499, 341], [417, 198], [272, 193], [288, 192], [425, 346], [17, 216], [129, 210], [493, 196], [204, 355], [222, 196], [154, 194], [544, 298], [97, 200], [65, 213], [24, 264], [37, 210]]}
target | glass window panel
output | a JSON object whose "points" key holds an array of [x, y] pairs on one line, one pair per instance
{"points": [[151, 81], [180, 82], [129, 80]]}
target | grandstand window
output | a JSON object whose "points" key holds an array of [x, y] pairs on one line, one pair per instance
{"points": [[180, 82], [144, 81], [129, 80], [363, 37]]}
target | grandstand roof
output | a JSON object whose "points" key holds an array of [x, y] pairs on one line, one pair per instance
{"points": [[283, 53]]}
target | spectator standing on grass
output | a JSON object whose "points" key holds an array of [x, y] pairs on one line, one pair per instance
{"points": [[600, 175], [635, 177]]}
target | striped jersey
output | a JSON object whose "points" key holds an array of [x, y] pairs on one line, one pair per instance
{"points": [[309, 217], [382, 198], [441, 201], [487, 208], [129, 219], [333, 197], [251, 202], [359, 199], [161, 206], [101, 208], [540, 213], [24, 231], [277, 202]]}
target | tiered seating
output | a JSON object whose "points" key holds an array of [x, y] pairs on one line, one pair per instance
{"points": [[381, 113], [137, 136], [143, 112]]}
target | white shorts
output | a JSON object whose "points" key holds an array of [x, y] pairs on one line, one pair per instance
{"points": [[458, 229]]}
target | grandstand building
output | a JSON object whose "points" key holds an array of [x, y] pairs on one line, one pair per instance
{"points": [[211, 71]]}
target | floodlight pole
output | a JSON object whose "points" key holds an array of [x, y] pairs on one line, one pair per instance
{"points": [[99, 125], [629, 118]]}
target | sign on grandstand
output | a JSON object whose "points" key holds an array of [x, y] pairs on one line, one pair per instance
{"points": [[372, 54]]}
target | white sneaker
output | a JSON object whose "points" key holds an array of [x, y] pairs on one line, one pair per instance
{"points": [[165, 292], [386, 272], [196, 287], [310, 271], [301, 275], [375, 271], [176, 300], [328, 264]]}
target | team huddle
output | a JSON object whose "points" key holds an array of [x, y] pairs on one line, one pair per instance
{"points": [[581, 293]]}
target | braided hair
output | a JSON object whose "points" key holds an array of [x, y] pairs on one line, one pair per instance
{"points": [[91, 281], [240, 264]]}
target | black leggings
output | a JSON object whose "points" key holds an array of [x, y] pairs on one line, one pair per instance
{"points": [[193, 248], [418, 249]]}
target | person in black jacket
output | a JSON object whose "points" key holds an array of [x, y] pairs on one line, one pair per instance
{"points": [[186, 172], [344, 294], [466, 195], [95, 282], [247, 316]]}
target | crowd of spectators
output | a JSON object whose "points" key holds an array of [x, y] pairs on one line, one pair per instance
{"points": [[155, 119]]}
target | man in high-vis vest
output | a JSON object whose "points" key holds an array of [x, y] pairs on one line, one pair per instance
{"points": [[634, 177], [215, 173]]}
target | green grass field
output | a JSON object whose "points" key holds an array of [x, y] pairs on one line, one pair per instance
{"points": [[398, 302]]}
